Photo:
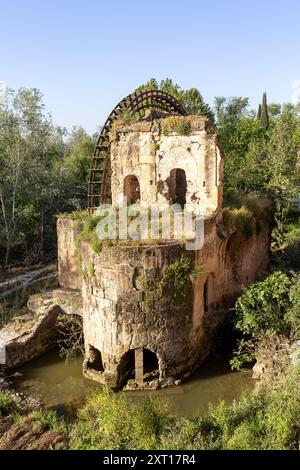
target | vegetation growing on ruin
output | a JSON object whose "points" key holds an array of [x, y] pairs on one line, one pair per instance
{"points": [[191, 99], [179, 124], [174, 279], [241, 220]]}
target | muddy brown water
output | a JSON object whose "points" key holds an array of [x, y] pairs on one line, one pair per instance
{"points": [[61, 386]]}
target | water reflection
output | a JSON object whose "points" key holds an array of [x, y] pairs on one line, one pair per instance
{"points": [[61, 386]]}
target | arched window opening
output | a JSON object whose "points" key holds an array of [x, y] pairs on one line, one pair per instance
{"points": [[177, 186], [132, 189]]}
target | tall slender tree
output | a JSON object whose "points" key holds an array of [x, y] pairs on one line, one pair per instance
{"points": [[259, 112], [264, 117]]}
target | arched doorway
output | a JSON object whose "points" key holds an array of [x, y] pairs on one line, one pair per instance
{"points": [[131, 189], [126, 368], [177, 186], [150, 362], [139, 364]]}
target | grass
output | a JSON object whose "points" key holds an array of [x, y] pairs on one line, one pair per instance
{"points": [[292, 228], [265, 421], [8, 405], [89, 225], [50, 420]]}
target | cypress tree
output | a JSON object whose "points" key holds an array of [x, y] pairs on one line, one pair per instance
{"points": [[259, 112], [264, 112]]}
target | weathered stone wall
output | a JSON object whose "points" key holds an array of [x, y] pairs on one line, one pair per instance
{"points": [[124, 321], [68, 272], [118, 316], [143, 150]]}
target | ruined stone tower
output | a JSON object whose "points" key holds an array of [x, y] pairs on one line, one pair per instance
{"points": [[151, 310]]}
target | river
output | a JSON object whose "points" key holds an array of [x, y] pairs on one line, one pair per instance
{"points": [[61, 386]]}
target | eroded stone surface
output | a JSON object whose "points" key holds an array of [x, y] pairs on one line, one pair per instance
{"points": [[145, 151], [118, 317], [28, 337]]}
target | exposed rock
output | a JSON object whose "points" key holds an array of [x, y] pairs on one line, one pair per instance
{"points": [[28, 434], [258, 370], [167, 382], [69, 300], [5, 424], [26, 340]]}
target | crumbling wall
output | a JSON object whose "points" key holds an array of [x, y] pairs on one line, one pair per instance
{"points": [[121, 312], [147, 152], [68, 257]]}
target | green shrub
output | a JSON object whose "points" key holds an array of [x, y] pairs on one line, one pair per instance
{"points": [[241, 219], [50, 420], [293, 313], [175, 278], [263, 304], [8, 404], [110, 421], [180, 124], [261, 309]]}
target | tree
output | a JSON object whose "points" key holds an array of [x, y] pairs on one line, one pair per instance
{"points": [[274, 109], [283, 146], [264, 112], [229, 110], [79, 150], [35, 182], [191, 99], [259, 112]]}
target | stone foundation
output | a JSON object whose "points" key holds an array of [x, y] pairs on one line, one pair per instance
{"points": [[146, 340]]}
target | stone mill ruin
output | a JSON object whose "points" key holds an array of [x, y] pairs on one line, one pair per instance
{"points": [[151, 311]]}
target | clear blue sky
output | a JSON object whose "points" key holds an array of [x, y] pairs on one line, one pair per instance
{"points": [[87, 55]]}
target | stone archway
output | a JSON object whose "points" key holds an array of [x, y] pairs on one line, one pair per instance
{"points": [[126, 368], [139, 365], [177, 186], [131, 189]]}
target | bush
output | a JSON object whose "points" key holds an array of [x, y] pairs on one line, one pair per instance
{"points": [[242, 220], [293, 313], [49, 420], [8, 404], [116, 422], [180, 124], [260, 310], [263, 304]]}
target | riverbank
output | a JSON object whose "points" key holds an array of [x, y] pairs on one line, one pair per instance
{"points": [[268, 419], [61, 387]]}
